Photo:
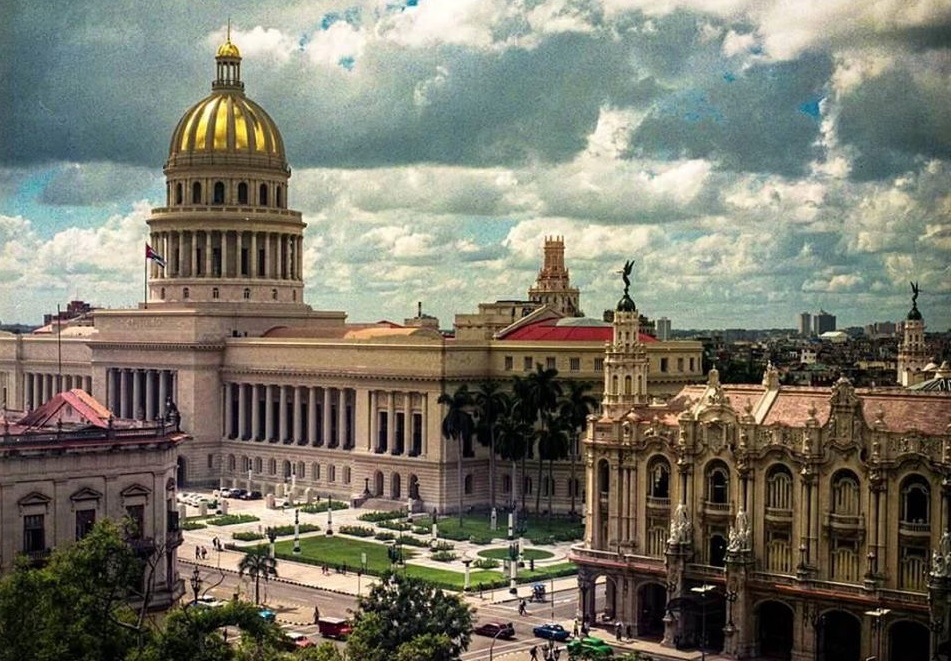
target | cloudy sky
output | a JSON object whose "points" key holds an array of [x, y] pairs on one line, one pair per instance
{"points": [[757, 158]]}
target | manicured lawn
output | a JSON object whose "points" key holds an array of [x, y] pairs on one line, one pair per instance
{"points": [[537, 527], [336, 551], [528, 553]]}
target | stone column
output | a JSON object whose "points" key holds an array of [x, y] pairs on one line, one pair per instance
{"points": [[136, 393], [374, 421], [253, 258], [391, 422], [407, 422], [208, 252], [124, 394], [268, 414], [282, 413], [229, 429], [193, 253], [342, 417], [162, 391], [297, 414], [677, 554], [312, 415], [325, 418], [242, 431], [111, 398], [267, 254], [150, 394], [255, 413]]}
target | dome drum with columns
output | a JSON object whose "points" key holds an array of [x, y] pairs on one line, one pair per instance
{"points": [[226, 233]]}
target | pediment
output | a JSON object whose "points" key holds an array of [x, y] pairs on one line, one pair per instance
{"points": [[135, 490], [85, 493], [34, 499]]}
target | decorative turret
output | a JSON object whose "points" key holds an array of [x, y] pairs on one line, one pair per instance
{"points": [[625, 361], [912, 352], [553, 285]]}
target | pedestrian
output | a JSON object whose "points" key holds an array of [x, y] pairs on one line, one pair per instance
{"points": [[197, 553], [521, 607], [533, 653], [316, 614], [618, 627], [574, 631], [204, 552]]}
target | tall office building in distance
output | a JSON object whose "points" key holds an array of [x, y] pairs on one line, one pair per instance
{"points": [[663, 329], [823, 322], [805, 324]]}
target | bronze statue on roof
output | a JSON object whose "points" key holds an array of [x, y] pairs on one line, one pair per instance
{"points": [[914, 293], [626, 274]]}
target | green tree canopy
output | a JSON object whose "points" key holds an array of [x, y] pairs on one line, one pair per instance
{"points": [[402, 609], [258, 563]]}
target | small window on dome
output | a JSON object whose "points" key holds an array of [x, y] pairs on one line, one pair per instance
{"points": [[246, 293], [196, 193], [214, 292], [279, 203], [274, 294], [219, 196], [242, 193], [185, 292], [162, 293], [262, 195], [178, 194]]}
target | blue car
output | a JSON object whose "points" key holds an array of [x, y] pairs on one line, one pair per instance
{"points": [[267, 614], [552, 632]]}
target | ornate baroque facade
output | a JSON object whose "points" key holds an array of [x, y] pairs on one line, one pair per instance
{"points": [[775, 522]]}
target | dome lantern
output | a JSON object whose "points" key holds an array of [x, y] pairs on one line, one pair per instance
{"points": [[228, 63]]}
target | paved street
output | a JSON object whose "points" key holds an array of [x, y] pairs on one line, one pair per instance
{"points": [[299, 587]]}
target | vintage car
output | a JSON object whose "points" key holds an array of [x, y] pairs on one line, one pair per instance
{"points": [[552, 631], [496, 630]]}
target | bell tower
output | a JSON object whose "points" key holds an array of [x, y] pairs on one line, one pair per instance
{"points": [[625, 358], [912, 352]]}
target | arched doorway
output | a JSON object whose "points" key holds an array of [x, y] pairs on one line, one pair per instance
{"points": [[651, 608], [840, 637], [180, 472], [908, 641], [775, 630], [378, 484], [395, 487]]}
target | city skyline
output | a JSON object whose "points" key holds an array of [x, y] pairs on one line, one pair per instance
{"points": [[756, 159]]}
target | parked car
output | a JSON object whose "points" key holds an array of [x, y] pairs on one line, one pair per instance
{"points": [[552, 631], [334, 627], [297, 640], [238, 493], [207, 601], [591, 646], [252, 495], [496, 630], [267, 614]]}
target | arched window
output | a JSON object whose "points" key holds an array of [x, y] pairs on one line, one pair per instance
{"points": [[245, 464], [915, 500], [506, 484], [214, 292], [659, 472], [286, 468], [779, 485], [527, 486], [301, 470], [468, 484], [315, 471], [262, 195], [627, 385], [346, 475], [718, 483], [604, 476], [231, 462], [219, 194], [274, 294], [279, 202], [257, 464], [185, 292], [246, 293], [178, 193], [845, 493], [196, 193], [331, 473], [242, 193], [272, 466]]}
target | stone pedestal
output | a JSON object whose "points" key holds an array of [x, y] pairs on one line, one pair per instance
{"points": [[677, 555], [739, 641]]}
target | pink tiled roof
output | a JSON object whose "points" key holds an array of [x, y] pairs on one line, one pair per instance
{"points": [[550, 330], [83, 405]]}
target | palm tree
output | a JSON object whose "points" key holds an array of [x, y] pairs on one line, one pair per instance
{"points": [[576, 405], [512, 436], [542, 392], [258, 563], [458, 425], [553, 444], [491, 403]]}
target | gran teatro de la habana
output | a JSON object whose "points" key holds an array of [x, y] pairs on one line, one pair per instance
{"points": [[759, 521]]}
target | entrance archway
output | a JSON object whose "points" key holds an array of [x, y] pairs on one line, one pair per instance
{"points": [[378, 484], [652, 606], [908, 641], [840, 637], [395, 487], [775, 630]]}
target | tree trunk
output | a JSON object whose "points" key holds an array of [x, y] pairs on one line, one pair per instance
{"points": [[459, 465], [551, 483], [538, 484], [571, 482], [492, 468]]}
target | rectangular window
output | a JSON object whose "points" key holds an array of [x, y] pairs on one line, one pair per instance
{"points": [[574, 364], [400, 433], [680, 364], [34, 533], [509, 363], [663, 364], [692, 367], [527, 364], [331, 473], [136, 524], [599, 364], [417, 434], [550, 363], [85, 519], [211, 461], [383, 427]]}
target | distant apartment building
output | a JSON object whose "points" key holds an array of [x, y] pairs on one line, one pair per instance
{"points": [[805, 323], [663, 329], [823, 323]]}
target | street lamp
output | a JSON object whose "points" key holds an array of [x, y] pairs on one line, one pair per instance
{"points": [[877, 616], [730, 596], [196, 582], [296, 531], [330, 516], [271, 536], [703, 590], [494, 638]]}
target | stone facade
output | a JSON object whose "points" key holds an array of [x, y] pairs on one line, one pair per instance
{"points": [[775, 522]]}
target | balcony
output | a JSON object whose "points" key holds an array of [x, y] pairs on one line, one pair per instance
{"points": [[778, 515], [915, 529], [656, 503], [716, 509]]}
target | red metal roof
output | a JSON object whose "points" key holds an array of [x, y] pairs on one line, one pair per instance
{"points": [[568, 330]]}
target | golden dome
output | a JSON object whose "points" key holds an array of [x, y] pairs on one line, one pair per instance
{"points": [[227, 122], [228, 49]]}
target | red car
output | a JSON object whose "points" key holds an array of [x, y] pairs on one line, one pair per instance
{"points": [[298, 640], [496, 630]]}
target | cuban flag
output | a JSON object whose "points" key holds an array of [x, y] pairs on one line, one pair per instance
{"points": [[154, 256]]}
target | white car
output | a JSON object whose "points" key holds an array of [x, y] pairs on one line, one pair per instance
{"points": [[207, 601]]}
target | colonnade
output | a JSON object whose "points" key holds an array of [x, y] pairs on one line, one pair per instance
{"points": [[397, 422], [39, 388], [227, 254], [139, 394]]}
